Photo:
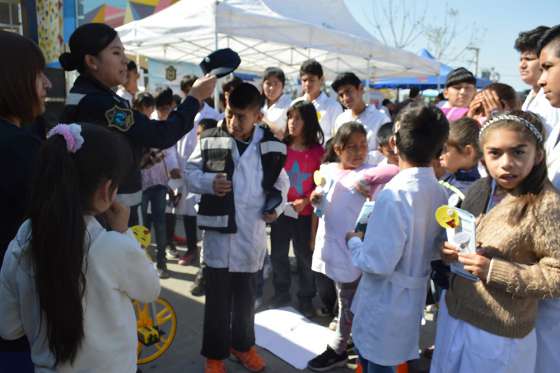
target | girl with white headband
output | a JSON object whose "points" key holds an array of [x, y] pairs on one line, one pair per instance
{"points": [[66, 282], [489, 325]]}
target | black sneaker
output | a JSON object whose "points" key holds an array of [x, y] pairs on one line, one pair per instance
{"points": [[280, 300], [306, 308], [328, 360], [198, 290], [163, 273]]}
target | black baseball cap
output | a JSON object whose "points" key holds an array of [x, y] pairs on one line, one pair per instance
{"points": [[220, 62]]}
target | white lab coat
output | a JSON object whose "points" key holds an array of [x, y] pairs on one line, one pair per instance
{"points": [[245, 250], [371, 119], [402, 238], [188, 203], [116, 270], [464, 348]]}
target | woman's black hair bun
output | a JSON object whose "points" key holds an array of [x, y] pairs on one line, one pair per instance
{"points": [[68, 61]]}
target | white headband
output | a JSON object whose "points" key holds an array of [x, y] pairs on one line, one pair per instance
{"points": [[516, 119]]}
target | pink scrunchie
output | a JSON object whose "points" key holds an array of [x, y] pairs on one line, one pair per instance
{"points": [[71, 133]]}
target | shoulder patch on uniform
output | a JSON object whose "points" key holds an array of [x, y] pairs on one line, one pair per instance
{"points": [[120, 118]]}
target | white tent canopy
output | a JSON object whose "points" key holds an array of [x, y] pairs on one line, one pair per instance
{"points": [[281, 33]]}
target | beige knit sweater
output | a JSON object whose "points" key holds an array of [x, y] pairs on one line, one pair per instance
{"points": [[525, 267]]}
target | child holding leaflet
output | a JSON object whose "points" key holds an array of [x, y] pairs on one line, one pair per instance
{"points": [[401, 238], [489, 325], [237, 167], [344, 203]]}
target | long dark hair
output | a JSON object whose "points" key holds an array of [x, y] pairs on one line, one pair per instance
{"points": [[341, 139], [529, 190], [312, 132], [63, 186]]}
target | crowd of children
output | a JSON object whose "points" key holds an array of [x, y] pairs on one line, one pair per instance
{"points": [[307, 167]]}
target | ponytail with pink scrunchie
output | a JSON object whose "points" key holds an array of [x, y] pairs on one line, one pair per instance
{"points": [[72, 134]]}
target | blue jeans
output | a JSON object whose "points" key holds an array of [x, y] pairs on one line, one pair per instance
{"points": [[155, 196], [371, 367]]}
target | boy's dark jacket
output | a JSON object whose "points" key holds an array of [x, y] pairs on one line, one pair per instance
{"points": [[217, 147]]}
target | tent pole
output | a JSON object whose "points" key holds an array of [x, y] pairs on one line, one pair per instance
{"points": [[216, 90], [368, 82]]}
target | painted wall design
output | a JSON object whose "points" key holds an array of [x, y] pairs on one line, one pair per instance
{"points": [[50, 29], [119, 12]]}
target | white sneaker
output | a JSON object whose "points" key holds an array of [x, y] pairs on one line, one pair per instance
{"points": [[333, 323], [172, 253]]}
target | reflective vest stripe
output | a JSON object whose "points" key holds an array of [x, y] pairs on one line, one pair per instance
{"points": [[208, 143], [218, 221], [273, 147], [130, 199]]}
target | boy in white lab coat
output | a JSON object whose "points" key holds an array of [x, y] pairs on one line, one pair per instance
{"points": [[238, 169], [401, 239], [548, 317]]}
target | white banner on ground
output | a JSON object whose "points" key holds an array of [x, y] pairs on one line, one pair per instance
{"points": [[291, 336]]}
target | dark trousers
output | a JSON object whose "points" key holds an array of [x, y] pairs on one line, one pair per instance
{"points": [[134, 219], [327, 292], [371, 367], [282, 231], [15, 356], [170, 221], [155, 196], [229, 314], [189, 222]]}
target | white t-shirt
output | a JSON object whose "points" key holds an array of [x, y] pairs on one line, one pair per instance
{"points": [[276, 115], [371, 118], [328, 109]]}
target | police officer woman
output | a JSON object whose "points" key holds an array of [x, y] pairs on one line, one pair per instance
{"points": [[97, 52]]}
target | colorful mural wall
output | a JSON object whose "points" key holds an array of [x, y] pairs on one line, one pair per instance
{"points": [[119, 12], [50, 29]]}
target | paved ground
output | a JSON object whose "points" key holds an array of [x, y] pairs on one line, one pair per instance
{"points": [[184, 354]]}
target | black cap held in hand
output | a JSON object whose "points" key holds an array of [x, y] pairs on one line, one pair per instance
{"points": [[460, 75], [220, 62]]}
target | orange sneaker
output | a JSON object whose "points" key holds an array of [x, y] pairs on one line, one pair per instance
{"points": [[214, 366], [250, 359]]}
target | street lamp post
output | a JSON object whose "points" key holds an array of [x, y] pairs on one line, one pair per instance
{"points": [[476, 51]]}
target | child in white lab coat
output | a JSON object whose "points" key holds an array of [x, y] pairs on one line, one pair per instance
{"points": [[402, 237], [489, 325], [237, 167], [344, 202]]}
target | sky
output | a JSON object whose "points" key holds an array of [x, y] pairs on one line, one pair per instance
{"points": [[497, 21]]}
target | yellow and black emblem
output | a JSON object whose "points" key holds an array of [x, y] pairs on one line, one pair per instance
{"points": [[120, 118]]}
